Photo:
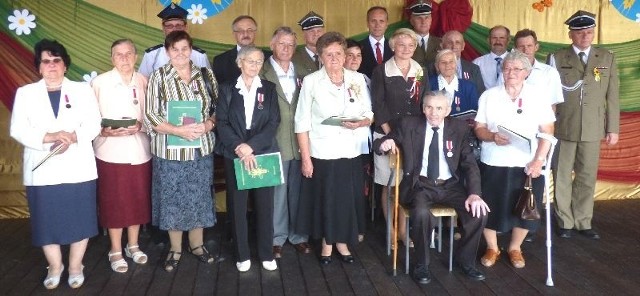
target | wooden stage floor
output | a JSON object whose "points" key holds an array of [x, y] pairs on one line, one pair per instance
{"points": [[610, 266]]}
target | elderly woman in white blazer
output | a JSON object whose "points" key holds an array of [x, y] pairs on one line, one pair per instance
{"points": [[61, 191], [331, 154]]}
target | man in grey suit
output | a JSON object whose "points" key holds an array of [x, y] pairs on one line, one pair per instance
{"points": [[590, 112], [285, 74], [306, 57]]}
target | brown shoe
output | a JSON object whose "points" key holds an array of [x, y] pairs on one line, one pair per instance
{"points": [[490, 257], [303, 248], [516, 258], [277, 252]]}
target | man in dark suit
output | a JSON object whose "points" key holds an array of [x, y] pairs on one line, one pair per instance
{"points": [[375, 48], [439, 167], [590, 112], [306, 57], [224, 65], [464, 69], [428, 45]]}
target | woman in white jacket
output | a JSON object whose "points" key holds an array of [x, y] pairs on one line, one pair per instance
{"points": [[56, 113]]}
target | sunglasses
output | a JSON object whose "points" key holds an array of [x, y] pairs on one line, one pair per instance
{"points": [[55, 61]]}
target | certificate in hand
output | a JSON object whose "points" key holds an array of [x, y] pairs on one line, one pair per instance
{"points": [[338, 120], [118, 123], [268, 173], [515, 139]]}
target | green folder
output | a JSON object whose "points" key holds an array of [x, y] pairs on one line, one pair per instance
{"points": [[180, 113], [268, 173]]}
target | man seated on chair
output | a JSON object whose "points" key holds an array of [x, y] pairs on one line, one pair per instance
{"points": [[439, 167]]}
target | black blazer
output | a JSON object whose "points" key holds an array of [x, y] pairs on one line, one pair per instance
{"points": [[410, 137], [369, 57], [231, 121]]}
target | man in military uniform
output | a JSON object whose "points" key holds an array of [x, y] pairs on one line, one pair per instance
{"points": [[420, 20], [590, 112], [307, 57], [174, 18]]}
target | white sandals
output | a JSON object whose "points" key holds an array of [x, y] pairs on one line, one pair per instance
{"points": [[52, 280], [76, 280], [138, 256], [119, 265]]}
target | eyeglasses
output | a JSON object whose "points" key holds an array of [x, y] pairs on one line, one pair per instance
{"points": [[514, 70], [55, 61], [254, 63], [174, 27], [247, 31]]}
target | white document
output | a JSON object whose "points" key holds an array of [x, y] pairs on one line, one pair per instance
{"points": [[515, 139]]}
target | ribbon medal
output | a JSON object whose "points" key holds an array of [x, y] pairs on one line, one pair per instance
{"points": [[519, 106], [449, 145], [260, 100], [466, 75], [66, 100], [596, 72], [457, 101], [135, 97], [351, 99]]}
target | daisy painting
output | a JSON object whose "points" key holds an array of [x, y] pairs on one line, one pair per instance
{"points": [[22, 22], [197, 14]]}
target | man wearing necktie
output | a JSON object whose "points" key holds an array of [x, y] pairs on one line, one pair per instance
{"points": [[420, 20], [375, 48], [445, 173], [590, 112], [491, 63]]}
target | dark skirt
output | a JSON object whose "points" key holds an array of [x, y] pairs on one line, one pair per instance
{"points": [[181, 193], [328, 205], [62, 214], [501, 188], [124, 194]]}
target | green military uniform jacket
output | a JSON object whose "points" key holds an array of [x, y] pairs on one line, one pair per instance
{"points": [[591, 106], [287, 140], [305, 65], [427, 57]]}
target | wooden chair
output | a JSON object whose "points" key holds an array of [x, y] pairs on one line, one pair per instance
{"points": [[440, 211]]}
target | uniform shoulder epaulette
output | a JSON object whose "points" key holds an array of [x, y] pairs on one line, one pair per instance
{"points": [[150, 49], [200, 50]]}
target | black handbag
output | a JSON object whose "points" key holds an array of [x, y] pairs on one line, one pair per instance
{"points": [[526, 207]]}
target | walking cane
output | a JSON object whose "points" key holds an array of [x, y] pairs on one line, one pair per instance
{"points": [[547, 206], [395, 210]]}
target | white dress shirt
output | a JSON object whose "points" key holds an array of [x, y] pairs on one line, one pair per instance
{"points": [[444, 172], [496, 108], [249, 97], [547, 78], [487, 64], [287, 79], [373, 42]]}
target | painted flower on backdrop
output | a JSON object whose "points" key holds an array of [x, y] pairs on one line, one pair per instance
{"points": [[199, 10], [197, 14], [90, 76], [22, 22]]}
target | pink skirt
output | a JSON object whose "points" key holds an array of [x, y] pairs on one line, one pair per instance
{"points": [[124, 194]]}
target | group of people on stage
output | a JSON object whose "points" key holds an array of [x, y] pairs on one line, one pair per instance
{"points": [[253, 102]]}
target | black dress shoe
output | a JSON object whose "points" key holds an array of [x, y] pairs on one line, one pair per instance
{"points": [[472, 273], [421, 274], [564, 233], [347, 258], [324, 260], [590, 233]]}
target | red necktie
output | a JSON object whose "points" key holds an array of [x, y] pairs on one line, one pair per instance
{"points": [[378, 53]]}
